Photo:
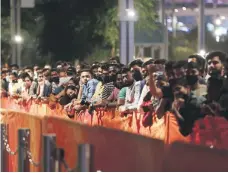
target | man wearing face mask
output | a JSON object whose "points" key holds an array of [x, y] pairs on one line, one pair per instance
{"points": [[192, 76], [13, 86], [14, 68], [104, 87], [54, 79]]}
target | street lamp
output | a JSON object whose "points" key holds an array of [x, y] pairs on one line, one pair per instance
{"points": [[202, 53], [131, 15], [218, 22], [18, 39]]}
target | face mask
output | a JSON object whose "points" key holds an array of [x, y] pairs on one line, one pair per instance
{"points": [[14, 71], [14, 81], [192, 79], [215, 73], [55, 79], [137, 75], [98, 77], [72, 96], [7, 79], [105, 79], [181, 95], [118, 85], [112, 78]]}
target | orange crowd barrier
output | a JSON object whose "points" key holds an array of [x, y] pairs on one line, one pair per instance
{"points": [[192, 158], [16, 120], [41, 118]]}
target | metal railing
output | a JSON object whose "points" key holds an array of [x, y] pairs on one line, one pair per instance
{"points": [[53, 157]]}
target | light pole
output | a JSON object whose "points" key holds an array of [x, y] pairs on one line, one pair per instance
{"points": [[16, 39], [127, 17], [201, 28]]}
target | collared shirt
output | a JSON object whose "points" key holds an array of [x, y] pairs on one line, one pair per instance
{"points": [[114, 95], [98, 92], [89, 89], [41, 89], [107, 91], [145, 90], [133, 95]]}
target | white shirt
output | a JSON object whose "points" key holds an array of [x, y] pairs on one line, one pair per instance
{"points": [[41, 86], [145, 90]]}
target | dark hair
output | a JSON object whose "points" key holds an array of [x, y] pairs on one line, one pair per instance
{"points": [[125, 70], [200, 60], [54, 69], [13, 73], [85, 70], [61, 70], [160, 61], [180, 64], [115, 58], [71, 71], [14, 65], [137, 62], [27, 76], [169, 65], [72, 87], [193, 65], [29, 68], [179, 81], [105, 67], [222, 56], [23, 75], [94, 66], [148, 62]]}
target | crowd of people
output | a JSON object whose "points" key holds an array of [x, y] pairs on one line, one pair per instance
{"points": [[190, 89]]}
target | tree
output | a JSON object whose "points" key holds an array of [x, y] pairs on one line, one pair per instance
{"points": [[83, 27]]}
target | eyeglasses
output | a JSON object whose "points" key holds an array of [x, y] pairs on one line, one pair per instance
{"points": [[40, 76]]}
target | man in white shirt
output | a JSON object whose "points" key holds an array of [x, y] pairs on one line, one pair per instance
{"points": [[132, 93]]}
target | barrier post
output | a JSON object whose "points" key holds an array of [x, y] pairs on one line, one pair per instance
{"points": [[3, 152], [85, 163], [48, 149], [23, 145], [58, 155]]}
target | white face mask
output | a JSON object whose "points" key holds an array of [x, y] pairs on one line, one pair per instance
{"points": [[7, 78], [14, 71]]}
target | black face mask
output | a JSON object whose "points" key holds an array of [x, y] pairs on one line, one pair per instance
{"points": [[118, 85], [181, 95], [98, 77], [137, 75], [112, 78], [215, 73], [14, 81], [72, 96], [55, 79], [192, 79], [105, 79]]}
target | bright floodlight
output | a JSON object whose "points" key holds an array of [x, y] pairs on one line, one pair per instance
{"points": [[223, 17], [202, 53], [131, 13], [184, 8], [217, 38], [176, 10], [18, 39], [218, 22]]}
